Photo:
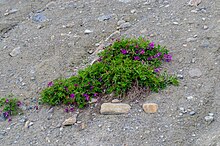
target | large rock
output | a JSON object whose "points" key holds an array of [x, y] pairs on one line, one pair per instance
{"points": [[150, 107], [115, 108]]}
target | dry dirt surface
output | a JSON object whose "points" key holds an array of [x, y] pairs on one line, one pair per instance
{"points": [[41, 40]]}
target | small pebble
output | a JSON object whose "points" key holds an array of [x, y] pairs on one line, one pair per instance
{"points": [[87, 31]]}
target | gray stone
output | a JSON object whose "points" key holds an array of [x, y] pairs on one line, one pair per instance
{"points": [[195, 73], [209, 118], [114, 108], [39, 18], [87, 31], [120, 22], [15, 52], [192, 113], [124, 1], [180, 76], [194, 2], [124, 25], [191, 39], [105, 17], [11, 11]]}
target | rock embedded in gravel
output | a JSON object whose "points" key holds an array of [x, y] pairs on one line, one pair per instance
{"points": [[209, 118], [191, 39], [120, 22], [39, 18], [105, 17], [70, 121], [124, 25], [11, 11], [15, 52], [194, 2], [150, 107], [195, 73], [116, 101], [87, 31], [114, 108], [124, 1]]}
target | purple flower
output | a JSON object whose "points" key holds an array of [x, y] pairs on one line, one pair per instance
{"points": [[123, 51], [149, 58], [136, 46], [71, 109], [100, 79], [72, 95], [19, 103], [9, 119], [157, 70], [66, 89], [142, 51], [91, 87], [137, 52], [36, 107], [100, 59], [151, 44], [75, 85], [136, 58], [66, 110], [157, 55], [86, 96], [95, 94], [6, 114], [167, 57], [6, 101], [50, 84]]}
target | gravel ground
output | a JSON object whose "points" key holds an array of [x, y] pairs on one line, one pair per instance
{"points": [[43, 40]]}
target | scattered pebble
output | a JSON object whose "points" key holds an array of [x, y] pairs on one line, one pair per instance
{"points": [[87, 31], [105, 17], [116, 101], [39, 18], [150, 107], [15, 51], [205, 27], [192, 113], [209, 119], [175, 23], [70, 121], [194, 2], [191, 39], [189, 97], [133, 11], [180, 76], [11, 11], [195, 73], [124, 25]]}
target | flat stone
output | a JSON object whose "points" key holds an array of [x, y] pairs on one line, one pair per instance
{"points": [[70, 121], [195, 73], [87, 31], [124, 25], [124, 1], [209, 118], [105, 17], [191, 39], [11, 11], [116, 101], [39, 17], [120, 22], [114, 108], [150, 107], [194, 2], [15, 52]]}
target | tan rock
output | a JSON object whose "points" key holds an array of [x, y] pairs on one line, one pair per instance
{"points": [[150, 107], [114, 108], [70, 121], [116, 101]]}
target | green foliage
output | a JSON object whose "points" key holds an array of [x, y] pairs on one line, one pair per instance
{"points": [[125, 63], [9, 106]]}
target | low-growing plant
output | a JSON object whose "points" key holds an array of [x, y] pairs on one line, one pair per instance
{"points": [[121, 66], [9, 106]]}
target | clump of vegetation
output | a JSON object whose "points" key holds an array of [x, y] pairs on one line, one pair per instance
{"points": [[9, 106], [125, 63]]}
